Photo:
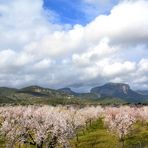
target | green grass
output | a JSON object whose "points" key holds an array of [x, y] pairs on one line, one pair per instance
{"points": [[2, 143], [139, 137], [97, 136]]}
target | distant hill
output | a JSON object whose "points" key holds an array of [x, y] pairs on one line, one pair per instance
{"points": [[40, 91], [118, 90], [68, 91], [143, 92], [109, 93], [7, 91], [32, 95], [80, 95]]}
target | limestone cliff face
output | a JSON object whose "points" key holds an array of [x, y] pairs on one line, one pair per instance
{"points": [[111, 88], [119, 90]]}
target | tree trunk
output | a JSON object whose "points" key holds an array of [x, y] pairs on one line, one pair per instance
{"points": [[66, 145], [53, 142], [83, 132], [77, 136], [90, 122], [122, 143], [40, 145], [19, 145], [140, 144]]}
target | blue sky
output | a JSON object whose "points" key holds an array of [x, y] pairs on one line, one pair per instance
{"points": [[67, 11], [78, 11], [73, 43]]}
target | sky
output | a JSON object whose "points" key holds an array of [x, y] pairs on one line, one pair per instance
{"points": [[73, 43]]}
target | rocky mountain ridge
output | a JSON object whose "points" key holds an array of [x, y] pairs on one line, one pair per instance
{"points": [[108, 90]]}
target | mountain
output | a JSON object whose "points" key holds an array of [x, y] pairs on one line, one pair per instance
{"points": [[44, 92], [79, 95], [32, 95], [5, 91], [6, 95], [68, 91], [118, 90], [143, 92], [39, 91], [109, 93]]}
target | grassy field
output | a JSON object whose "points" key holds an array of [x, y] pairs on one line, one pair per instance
{"points": [[97, 136]]}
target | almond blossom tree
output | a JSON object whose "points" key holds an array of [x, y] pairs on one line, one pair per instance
{"points": [[35, 126], [142, 114], [54, 126], [91, 113], [120, 121], [76, 120]]}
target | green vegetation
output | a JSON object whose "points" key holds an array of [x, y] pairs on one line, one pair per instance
{"points": [[97, 136], [37, 100], [39, 95]]}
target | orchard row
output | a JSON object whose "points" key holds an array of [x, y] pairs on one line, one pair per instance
{"points": [[51, 127]]}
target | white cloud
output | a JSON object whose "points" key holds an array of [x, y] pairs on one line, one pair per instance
{"points": [[92, 8], [94, 53], [117, 69], [34, 50], [143, 65]]}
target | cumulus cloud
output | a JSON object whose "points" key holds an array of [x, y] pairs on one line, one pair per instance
{"points": [[92, 8], [35, 50]]}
